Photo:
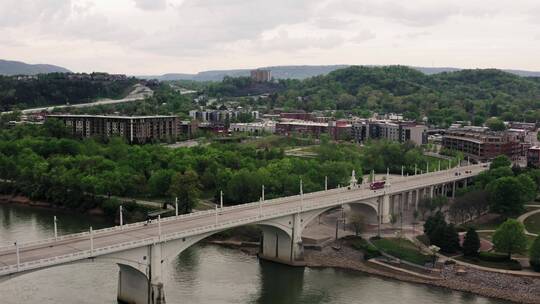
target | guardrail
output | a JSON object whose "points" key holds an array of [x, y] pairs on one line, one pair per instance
{"points": [[348, 197]]}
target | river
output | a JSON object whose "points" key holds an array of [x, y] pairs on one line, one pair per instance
{"points": [[203, 274]]}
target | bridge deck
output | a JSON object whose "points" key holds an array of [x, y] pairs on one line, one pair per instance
{"points": [[74, 247]]}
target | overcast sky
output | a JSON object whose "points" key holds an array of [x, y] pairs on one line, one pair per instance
{"points": [[160, 36]]}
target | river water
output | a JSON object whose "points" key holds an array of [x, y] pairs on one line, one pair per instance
{"points": [[204, 274]]}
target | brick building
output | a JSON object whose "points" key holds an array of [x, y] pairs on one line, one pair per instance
{"points": [[135, 129], [481, 144]]}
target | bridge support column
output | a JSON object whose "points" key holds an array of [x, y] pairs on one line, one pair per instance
{"points": [[278, 246], [156, 292], [385, 210], [453, 189], [431, 189]]}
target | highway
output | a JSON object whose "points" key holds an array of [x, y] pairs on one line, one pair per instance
{"points": [[139, 92]]}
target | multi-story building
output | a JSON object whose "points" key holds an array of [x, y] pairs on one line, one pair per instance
{"points": [[135, 129], [219, 116], [363, 130], [254, 127], [336, 129], [481, 144], [533, 157], [260, 75]]}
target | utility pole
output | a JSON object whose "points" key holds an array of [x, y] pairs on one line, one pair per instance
{"points": [[55, 229]]}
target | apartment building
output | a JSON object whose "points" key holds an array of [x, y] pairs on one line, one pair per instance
{"points": [[135, 129]]}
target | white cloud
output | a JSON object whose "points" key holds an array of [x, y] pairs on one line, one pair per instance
{"points": [[151, 4], [191, 35]]}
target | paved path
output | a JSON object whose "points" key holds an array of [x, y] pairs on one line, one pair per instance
{"points": [[524, 216]]}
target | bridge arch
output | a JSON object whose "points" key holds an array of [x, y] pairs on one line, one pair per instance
{"points": [[367, 208]]}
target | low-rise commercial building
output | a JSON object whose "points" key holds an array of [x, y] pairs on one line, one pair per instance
{"points": [[135, 129]]}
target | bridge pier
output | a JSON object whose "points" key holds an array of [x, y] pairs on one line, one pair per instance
{"points": [[283, 246], [142, 286]]}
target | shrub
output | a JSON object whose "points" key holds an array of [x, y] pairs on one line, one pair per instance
{"points": [[368, 249], [471, 243], [493, 257]]}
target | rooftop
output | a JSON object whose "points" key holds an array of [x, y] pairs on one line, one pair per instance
{"points": [[110, 116]]}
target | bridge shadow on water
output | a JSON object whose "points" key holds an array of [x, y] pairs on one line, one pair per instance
{"points": [[280, 284]]}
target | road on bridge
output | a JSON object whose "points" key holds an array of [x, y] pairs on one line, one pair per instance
{"points": [[31, 254]]}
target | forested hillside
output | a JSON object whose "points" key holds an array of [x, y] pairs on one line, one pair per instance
{"points": [[445, 97], [59, 88]]}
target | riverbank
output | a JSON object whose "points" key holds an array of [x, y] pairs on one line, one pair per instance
{"points": [[493, 285]]}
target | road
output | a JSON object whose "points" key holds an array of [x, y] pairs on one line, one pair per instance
{"points": [[195, 223], [139, 92]]}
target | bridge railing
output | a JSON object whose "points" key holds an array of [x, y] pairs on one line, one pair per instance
{"points": [[353, 196], [349, 197], [212, 211]]}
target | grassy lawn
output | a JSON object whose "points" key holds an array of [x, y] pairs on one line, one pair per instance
{"points": [[532, 223], [403, 249], [508, 265]]}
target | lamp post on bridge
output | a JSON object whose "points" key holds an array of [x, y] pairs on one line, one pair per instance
{"points": [[427, 167], [326, 183], [91, 241], [260, 207], [216, 216], [159, 226], [55, 229], [401, 171], [262, 193], [18, 255], [439, 165], [415, 169], [121, 217], [301, 195], [221, 199], [176, 206]]}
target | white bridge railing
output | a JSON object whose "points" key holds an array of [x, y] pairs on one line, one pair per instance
{"points": [[347, 196]]}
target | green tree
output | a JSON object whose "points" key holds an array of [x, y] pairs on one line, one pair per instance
{"points": [[500, 161], [510, 238], [534, 254], [186, 187], [160, 182], [505, 195], [471, 243], [495, 124]]}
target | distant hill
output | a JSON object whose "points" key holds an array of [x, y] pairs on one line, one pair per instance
{"points": [[299, 72], [9, 68]]}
